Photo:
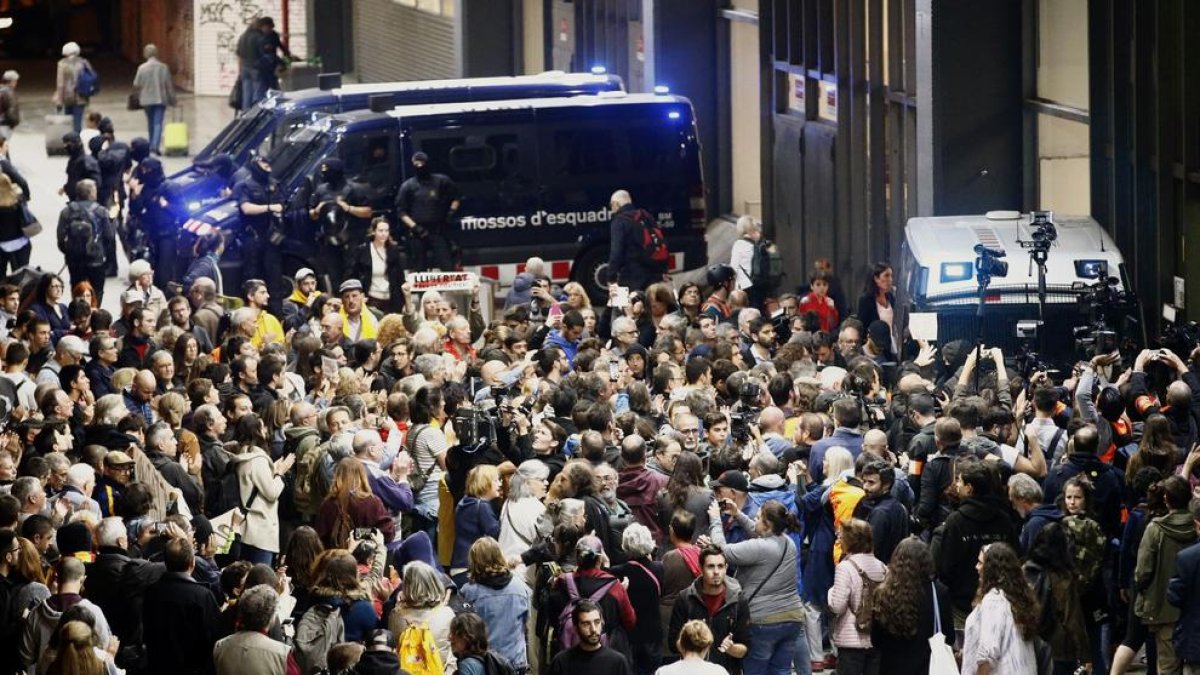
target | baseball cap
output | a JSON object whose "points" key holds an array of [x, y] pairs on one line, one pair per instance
{"points": [[733, 479], [350, 285], [131, 296], [304, 273], [117, 458], [880, 334]]}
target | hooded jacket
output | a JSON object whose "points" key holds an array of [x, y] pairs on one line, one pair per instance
{"points": [[639, 487], [557, 339], [731, 619], [255, 470], [1165, 537], [1041, 516], [979, 521], [1108, 486], [889, 523], [502, 600], [43, 619]]}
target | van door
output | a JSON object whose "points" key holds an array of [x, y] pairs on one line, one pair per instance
{"points": [[495, 168]]}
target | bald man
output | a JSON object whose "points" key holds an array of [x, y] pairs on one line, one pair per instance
{"points": [[629, 263], [139, 396], [771, 423]]}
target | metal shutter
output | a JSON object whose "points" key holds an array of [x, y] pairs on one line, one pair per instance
{"points": [[397, 43]]}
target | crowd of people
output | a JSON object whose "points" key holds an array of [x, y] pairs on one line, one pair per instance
{"points": [[724, 478]]}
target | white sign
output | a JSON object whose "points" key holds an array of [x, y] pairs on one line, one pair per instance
{"points": [[1168, 313], [442, 281], [923, 326], [1180, 287]]}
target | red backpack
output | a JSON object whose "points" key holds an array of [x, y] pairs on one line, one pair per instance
{"points": [[654, 242]]}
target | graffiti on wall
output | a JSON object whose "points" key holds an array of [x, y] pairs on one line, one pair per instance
{"points": [[221, 23]]}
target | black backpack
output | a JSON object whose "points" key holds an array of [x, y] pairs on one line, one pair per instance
{"points": [[766, 267], [114, 159], [230, 496], [81, 242]]}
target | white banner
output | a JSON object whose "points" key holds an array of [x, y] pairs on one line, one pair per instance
{"points": [[441, 281]]}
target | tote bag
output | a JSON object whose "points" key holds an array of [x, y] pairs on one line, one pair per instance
{"points": [[941, 655]]}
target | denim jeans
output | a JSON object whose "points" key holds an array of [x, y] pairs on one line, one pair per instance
{"points": [[772, 646], [255, 555], [76, 113], [252, 88], [154, 120]]}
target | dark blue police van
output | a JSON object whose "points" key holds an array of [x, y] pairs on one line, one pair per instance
{"points": [[267, 123], [535, 174]]}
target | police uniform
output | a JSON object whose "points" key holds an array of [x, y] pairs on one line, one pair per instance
{"points": [[339, 231], [155, 219], [427, 198], [255, 188]]}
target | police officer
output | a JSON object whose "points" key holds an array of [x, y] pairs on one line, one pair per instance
{"points": [[150, 200], [428, 204], [80, 165], [344, 212], [258, 204]]}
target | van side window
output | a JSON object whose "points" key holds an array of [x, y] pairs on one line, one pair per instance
{"points": [[369, 160], [478, 158], [586, 151]]}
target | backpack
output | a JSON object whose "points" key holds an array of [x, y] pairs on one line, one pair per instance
{"points": [[113, 159], [308, 464], [1087, 547], [766, 267], [320, 628], [230, 496], [418, 651], [494, 664], [654, 242], [87, 82], [864, 614], [565, 628], [80, 239]]}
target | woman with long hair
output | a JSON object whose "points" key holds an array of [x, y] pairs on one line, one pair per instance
{"points": [[76, 652], [303, 549], [523, 507], [695, 640], [686, 490], [1157, 448], [55, 644], [423, 601], [1000, 629], [577, 297], [350, 504], [379, 264], [187, 354], [500, 598], [878, 296], [905, 604], [49, 306], [15, 247], [1090, 555], [1050, 570], [767, 565], [336, 584], [474, 516], [260, 483]]}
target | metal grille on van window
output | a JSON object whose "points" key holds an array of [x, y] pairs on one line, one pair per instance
{"points": [[987, 237]]}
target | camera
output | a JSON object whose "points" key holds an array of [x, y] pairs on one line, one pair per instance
{"points": [[988, 262], [750, 394], [1027, 329], [361, 533], [739, 426], [474, 426]]}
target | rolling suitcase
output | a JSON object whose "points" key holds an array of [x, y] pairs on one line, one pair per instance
{"points": [[175, 135], [57, 124]]}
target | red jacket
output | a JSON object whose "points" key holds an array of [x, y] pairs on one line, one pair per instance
{"points": [[826, 311]]}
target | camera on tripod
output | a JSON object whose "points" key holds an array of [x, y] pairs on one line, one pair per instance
{"points": [[988, 263]]}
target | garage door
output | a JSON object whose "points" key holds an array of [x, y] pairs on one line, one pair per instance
{"points": [[394, 42]]}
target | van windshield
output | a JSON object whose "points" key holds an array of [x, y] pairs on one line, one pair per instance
{"points": [[291, 161], [239, 137]]}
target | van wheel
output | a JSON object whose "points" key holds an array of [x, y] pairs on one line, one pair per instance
{"points": [[591, 270]]}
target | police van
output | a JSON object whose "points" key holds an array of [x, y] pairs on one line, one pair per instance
{"points": [[939, 273], [535, 176], [267, 123]]}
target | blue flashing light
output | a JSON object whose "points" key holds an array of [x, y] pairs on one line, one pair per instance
{"points": [[193, 206], [958, 271], [674, 114], [599, 70], [662, 89]]}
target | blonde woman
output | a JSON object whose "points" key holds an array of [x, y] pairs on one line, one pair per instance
{"points": [[475, 516], [577, 298], [695, 640], [423, 601], [500, 598], [14, 245]]}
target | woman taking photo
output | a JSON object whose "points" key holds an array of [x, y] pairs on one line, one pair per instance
{"points": [[260, 483], [48, 305], [379, 265], [694, 642], [351, 505], [856, 654], [766, 569], [878, 297], [521, 510], [15, 247], [1000, 630], [474, 517], [905, 604], [501, 599]]}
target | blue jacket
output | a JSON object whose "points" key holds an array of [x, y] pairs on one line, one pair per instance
{"points": [[773, 488], [358, 614], [850, 439], [502, 601], [1039, 517], [204, 266], [1108, 488], [1184, 592], [1131, 539], [818, 525], [570, 349], [473, 518]]}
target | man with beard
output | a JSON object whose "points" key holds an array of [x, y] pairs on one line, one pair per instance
{"points": [[297, 308], [344, 212], [717, 600], [886, 515], [427, 204], [590, 656]]}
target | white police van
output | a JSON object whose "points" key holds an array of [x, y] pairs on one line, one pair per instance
{"points": [[939, 265]]}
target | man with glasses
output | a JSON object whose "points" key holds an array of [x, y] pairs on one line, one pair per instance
{"points": [[99, 370], [688, 426], [850, 341], [624, 335], [109, 492]]}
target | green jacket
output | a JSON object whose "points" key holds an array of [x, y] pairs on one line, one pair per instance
{"points": [[1165, 537]]}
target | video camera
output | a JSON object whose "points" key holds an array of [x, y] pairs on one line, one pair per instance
{"points": [[747, 410]]}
